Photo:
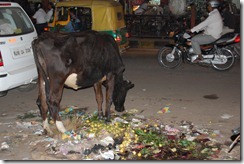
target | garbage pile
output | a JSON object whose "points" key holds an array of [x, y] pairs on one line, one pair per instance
{"points": [[130, 136]]}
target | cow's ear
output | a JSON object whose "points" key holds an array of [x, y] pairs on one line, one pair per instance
{"points": [[130, 85]]}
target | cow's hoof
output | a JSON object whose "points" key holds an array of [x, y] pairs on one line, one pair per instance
{"points": [[44, 132], [100, 117], [108, 120], [47, 133]]}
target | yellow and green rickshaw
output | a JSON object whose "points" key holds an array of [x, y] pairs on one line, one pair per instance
{"points": [[100, 15]]}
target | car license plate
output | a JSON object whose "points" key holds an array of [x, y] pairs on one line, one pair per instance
{"points": [[21, 51]]}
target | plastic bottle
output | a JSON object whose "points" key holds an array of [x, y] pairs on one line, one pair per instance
{"points": [[68, 110]]}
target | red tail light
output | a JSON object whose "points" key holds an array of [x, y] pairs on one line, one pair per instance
{"points": [[46, 29], [237, 39], [118, 39], [1, 60], [5, 4]]}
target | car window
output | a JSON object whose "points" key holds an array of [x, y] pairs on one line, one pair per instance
{"points": [[14, 21]]}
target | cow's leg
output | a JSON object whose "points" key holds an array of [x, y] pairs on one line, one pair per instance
{"points": [[99, 98], [56, 91], [42, 105], [109, 95]]}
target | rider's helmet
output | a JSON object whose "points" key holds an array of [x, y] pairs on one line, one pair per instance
{"points": [[214, 3]]}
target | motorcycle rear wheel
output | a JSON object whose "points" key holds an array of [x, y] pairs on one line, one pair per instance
{"points": [[168, 60], [226, 60]]}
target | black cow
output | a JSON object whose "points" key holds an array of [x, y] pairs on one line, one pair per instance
{"points": [[78, 60]]}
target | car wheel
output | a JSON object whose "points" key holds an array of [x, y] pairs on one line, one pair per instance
{"points": [[3, 93]]}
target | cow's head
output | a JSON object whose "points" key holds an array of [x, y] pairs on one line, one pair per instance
{"points": [[120, 91]]}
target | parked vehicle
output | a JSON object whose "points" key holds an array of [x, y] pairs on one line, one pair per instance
{"points": [[100, 15], [218, 55], [17, 65]]}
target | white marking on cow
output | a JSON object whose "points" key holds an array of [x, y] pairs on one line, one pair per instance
{"points": [[45, 123], [60, 126], [71, 81], [46, 126]]}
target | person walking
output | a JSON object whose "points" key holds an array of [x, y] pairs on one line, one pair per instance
{"points": [[49, 15], [40, 19]]}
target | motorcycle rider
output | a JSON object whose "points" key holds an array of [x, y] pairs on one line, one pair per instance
{"points": [[212, 28]]}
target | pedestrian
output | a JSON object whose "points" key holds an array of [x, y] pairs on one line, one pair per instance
{"points": [[40, 19], [211, 29], [49, 15]]}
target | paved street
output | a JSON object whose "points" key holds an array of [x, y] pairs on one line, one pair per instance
{"points": [[201, 95], [198, 94]]}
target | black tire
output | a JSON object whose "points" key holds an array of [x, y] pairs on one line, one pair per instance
{"points": [[166, 60], [3, 93], [226, 57], [27, 87]]}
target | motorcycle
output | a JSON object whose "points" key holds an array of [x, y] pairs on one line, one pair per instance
{"points": [[217, 55]]}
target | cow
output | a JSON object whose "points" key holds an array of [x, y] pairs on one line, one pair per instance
{"points": [[78, 60]]}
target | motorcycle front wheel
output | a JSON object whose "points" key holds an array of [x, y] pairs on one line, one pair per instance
{"points": [[169, 59], [223, 60]]}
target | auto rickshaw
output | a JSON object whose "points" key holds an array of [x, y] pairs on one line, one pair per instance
{"points": [[100, 15]]}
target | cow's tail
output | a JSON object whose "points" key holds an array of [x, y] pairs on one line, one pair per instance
{"points": [[41, 70]]}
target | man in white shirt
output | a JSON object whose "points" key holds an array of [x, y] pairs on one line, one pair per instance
{"points": [[212, 27], [50, 12], [40, 17]]}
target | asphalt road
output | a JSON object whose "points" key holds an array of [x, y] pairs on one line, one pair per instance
{"points": [[194, 93], [201, 95]]}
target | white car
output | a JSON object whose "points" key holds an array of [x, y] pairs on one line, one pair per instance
{"points": [[17, 64]]}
